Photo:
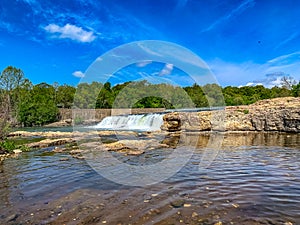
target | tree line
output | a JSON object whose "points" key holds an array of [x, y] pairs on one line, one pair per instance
{"points": [[27, 104]]}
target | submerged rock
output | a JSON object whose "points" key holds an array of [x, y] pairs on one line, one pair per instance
{"points": [[12, 217], [177, 203]]}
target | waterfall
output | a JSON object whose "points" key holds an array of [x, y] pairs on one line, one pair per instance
{"points": [[144, 122]]}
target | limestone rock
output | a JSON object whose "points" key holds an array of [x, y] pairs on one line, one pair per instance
{"points": [[279, 114], [17, 151], [128, 147], [50, 142], [62, 123]]}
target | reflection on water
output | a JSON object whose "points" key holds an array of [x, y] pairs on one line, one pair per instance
{"points": [[255, 179]]}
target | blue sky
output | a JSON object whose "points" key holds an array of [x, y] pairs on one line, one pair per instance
{"points": [[242, 41]]}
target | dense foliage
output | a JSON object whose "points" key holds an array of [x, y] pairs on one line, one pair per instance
{"points": [[35, 105], [38, 106]]}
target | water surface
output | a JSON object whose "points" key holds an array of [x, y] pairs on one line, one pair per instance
{"points": [[255, 179]]}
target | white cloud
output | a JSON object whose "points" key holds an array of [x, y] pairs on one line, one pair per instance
{"points": [[288, 39], [148, 50], [78, 74], [283, 59], [167, 69], [238, 10], [228, 73], [268, 74], [143, 63], [70, 31], [269, 80]]}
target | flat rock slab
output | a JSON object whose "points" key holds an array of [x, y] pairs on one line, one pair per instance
{"points": [[50, 142]]}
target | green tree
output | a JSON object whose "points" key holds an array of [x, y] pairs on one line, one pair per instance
{"points": [[4, 116], [214, 95], [105, 97], [277, 92], [86, 95], [11, 79], [197, 95], [38, 106], [119, 87], [65, 96], [296, 90]]}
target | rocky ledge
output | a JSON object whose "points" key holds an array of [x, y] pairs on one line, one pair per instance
{"points": [[278, 114]]}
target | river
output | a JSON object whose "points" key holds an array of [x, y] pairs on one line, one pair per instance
{"points": [[254, 179]]}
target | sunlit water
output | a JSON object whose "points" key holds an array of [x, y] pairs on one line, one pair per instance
{"points": [[255, 179]]}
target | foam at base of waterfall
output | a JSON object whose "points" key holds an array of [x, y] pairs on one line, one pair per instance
{"points": [[144, 122]]}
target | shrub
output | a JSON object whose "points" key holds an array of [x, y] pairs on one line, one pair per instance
{"points": [[7, 145]]}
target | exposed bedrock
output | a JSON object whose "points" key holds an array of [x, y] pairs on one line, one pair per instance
{"points": [[279, 114]]}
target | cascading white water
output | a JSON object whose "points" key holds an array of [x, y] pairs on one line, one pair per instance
{"points": [[145, 122]]}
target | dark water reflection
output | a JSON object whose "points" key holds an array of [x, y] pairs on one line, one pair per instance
{"points": [[255, 179]]}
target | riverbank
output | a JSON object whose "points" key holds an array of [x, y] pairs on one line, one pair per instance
{"points": [[271, 115], [137, 143]]}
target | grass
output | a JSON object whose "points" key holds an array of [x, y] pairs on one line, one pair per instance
{"points": [[12, 144], [246, 111]]}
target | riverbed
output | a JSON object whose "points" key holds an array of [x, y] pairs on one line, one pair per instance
{"points": [[253, 179]]}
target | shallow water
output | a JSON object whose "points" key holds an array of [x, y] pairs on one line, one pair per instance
{"points": [[254, 179], [45, 129]]}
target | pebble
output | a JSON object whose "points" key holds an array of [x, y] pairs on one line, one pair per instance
{"points": [[12, 217], [203, 221], [218, 223], [78, 157], [177, 203], [186, 205], [64, 159], [194, 214], [235, 205], [57, 149], [154, 211], [154, 195]]}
